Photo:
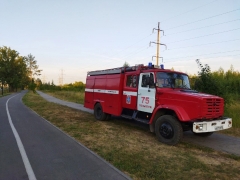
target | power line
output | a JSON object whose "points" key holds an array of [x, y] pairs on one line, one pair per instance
{"points": [[205, 54], [188, 11], [137, 42], [140, 50], [203, 27], [222, 56], [198, 28], [205, 58], [144, 48], [120, 59], [135, 52], [203, 36], [203, 19], [204, 44], [128, 54]]}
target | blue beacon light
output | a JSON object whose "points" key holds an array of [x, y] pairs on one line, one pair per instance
{"points": [[150, 64]]}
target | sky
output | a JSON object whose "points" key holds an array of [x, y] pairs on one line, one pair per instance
{"points": [[70, 38]]}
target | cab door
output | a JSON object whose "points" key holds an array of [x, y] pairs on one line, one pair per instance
{"points": [[146, 92]]}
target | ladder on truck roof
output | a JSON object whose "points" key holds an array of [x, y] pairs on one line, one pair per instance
{"points": [[114, 70]]}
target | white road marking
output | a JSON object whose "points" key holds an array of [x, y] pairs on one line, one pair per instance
{"points": [[26, 162]]}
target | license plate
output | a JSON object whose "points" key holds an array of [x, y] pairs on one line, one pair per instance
{"points": [[217, 128]]}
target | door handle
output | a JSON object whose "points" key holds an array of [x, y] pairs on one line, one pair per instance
{"points": [[139, 94]]}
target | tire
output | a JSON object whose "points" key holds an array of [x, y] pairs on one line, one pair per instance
{"points": [[203, 134], [98, 112], [168, 130]]}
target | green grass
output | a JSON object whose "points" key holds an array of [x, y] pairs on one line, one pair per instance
{"points": [[134, 150], [233, 111], [71, 96], [4, 94]]}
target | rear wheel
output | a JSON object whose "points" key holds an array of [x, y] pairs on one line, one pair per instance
{"points": [[206, 134], [98, 112], [168, 130]]}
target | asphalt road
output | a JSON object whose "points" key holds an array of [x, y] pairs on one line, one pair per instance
{"points": [[216, 141], [32, 148]]}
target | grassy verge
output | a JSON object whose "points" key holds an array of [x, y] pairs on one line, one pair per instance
{"points": [[135, 150], [232, 111], [4, 94]]}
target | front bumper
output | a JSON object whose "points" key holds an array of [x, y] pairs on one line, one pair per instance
{"points": [[212, 126]]}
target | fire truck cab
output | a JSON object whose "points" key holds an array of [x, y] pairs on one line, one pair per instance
{"points": [[159, 97]]}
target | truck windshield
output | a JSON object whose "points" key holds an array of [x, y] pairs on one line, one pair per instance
{"points": [[172, 80]]}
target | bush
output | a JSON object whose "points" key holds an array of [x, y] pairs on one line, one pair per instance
{"points": [[219, 83]]}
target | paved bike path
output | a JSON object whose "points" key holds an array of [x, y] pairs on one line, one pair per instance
{"points": [[65, 103], [52, 154], [216, 141]]}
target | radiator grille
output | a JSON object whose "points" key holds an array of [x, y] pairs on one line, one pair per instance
{"points": [[213, 108]]}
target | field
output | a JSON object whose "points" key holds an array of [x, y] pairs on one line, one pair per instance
{"points": [[134, 150], [234, 112]]}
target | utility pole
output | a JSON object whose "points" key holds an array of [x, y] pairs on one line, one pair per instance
{"points": [[61, 77], [158, 58], [59, 80], [44, 79], [158, 41]]}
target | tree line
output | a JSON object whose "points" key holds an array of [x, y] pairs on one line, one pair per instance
{"points": [[76, 86], [219, 83], [17, 71]]}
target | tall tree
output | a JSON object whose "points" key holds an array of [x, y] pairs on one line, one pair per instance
{"points": [[12, 67], [32, 66], [16, 70], [126, 64], [2, 71]]}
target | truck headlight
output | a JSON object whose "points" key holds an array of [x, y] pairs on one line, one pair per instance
{"points": [[199, 127], [229, 123]]}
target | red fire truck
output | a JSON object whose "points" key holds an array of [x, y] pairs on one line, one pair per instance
{"points": [[159, 97]]}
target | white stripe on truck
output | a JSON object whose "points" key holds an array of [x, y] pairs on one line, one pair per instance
{"points": [[88, 90], [102, 91], [128, 93]]}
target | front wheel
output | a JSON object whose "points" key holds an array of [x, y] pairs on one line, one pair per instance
{"points": [[98, 112], [168, 130]]}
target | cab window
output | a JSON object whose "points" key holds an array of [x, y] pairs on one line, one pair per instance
{"points": [[131, 81], [144, 80], [150, 78]]}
